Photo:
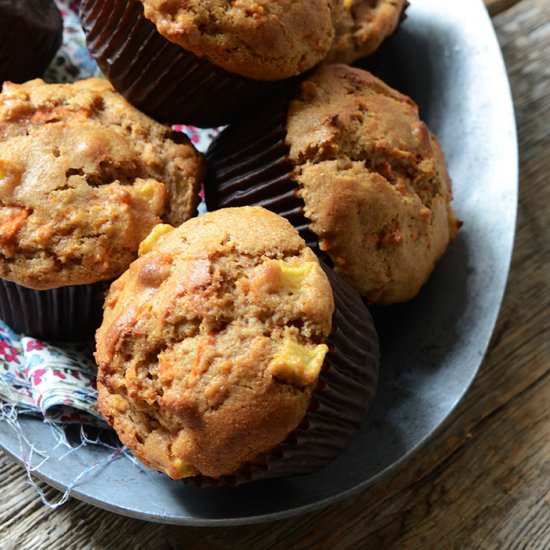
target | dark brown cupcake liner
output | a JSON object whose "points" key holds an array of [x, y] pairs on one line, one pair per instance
{"points": [[161, 78], [346, 387], [31, 32], [248, 165], [60, 314]]}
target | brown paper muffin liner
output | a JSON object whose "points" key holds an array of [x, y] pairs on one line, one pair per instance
{"points": [[159, 77], [248, 165], [346, 387], [60, 314], [31, 32]]}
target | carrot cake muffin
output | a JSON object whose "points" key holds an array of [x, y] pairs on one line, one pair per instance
{"points": [[360, 27], [213, 344], [84, 177], [352, 166]]}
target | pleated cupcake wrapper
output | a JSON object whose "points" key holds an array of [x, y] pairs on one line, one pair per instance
{"points": [[159, 77], [34, 57], [346, 387], [61, 314], [248, 165]]}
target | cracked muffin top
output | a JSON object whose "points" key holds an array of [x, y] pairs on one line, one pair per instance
{"points": [[361, 26], [373, 179], [84, 177], [212, 342], [259, 39]]}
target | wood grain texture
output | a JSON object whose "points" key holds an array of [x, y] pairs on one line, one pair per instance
{"points": [[498, 6], [483, 482]]}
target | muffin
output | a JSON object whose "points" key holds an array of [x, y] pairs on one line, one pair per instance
{"points": [[202, 62], [228, 354], [360, 27], [84, 177], [352, 166], [31, 32]]}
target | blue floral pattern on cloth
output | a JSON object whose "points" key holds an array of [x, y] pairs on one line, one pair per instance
{"points": [[36, 377]]}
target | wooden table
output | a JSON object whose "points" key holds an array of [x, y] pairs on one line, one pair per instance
{"points": [[483, 482]]}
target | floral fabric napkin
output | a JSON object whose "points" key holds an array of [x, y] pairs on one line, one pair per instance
{"points": [[39, 378]]}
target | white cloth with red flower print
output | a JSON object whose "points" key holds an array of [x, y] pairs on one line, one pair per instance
{"points": [[38, 378], [58, 383]]}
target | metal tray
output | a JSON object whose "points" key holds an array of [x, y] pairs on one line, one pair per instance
{"points": [[447, 58]]}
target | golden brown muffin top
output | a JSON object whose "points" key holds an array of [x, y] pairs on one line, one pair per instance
{"points": [[260, 39], [361, 26], [212, 342], [84, 177], [373, 179]]}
